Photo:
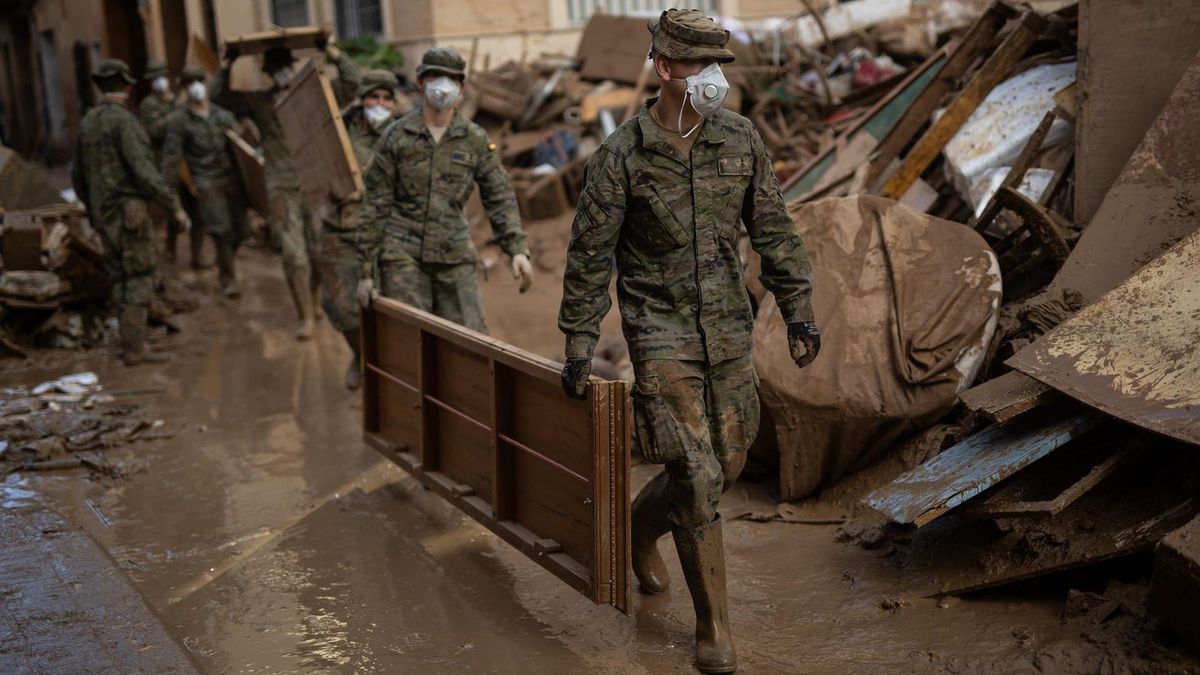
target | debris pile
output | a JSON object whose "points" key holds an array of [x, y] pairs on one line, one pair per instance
{"points": [[68, 423]]}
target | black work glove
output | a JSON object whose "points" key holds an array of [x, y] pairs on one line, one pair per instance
{"points": [[804, 341], [232, 52], [575, 375]]}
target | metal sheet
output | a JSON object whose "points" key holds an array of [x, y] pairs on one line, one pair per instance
{"points": [[971, 467], [1133, 352]]}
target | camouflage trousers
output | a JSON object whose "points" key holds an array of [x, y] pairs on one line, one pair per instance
{"points": [[222, 211], [295, 231], [339, 277], [702, 419], [132, 254], [450, 291]]}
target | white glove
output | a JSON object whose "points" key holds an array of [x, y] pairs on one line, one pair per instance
{"points": [[366, 292], [184, 221], [522, 269]]}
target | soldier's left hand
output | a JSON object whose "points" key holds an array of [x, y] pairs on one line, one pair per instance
{"points": [[522, 269], [804, 342], [184, 221], [575, 374]]}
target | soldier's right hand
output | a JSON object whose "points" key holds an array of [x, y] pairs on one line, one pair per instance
{"points": [[575, 375], [184, 220], [366, 292]]}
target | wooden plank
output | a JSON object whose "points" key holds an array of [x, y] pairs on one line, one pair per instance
{"points": [[487, 426], [592, 104], [973, 44], [1003, 398], [1175, 586], [991, 73], [1132, 353], [1003, 505], [253, 173], [200, 54], [1131, 55], [1039, 222], [317, 139], [971, 467], [299, 37]]}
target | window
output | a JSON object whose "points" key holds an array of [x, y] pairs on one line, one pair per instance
{"points": [[579, 11], [359, 17], [287, 13]]}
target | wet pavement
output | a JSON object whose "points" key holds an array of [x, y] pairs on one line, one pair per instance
{"points": [[269, 538]]}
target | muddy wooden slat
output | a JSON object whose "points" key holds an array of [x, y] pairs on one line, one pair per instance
{"points": [[487, 426], [974, 43], [971, 467], [1039, 222], [993, 71], [1003, 398], [1002, 505]]}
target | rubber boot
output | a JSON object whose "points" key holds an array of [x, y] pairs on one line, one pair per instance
{"points": [[226, 271], [302, 297], [196, 237], [131, 320], [354, 373], [172, 240], [314, 283], [649, 525], [702, 556]]}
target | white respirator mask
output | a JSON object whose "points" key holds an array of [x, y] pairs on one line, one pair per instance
{"points": [[282, 77], [377, 115], [160, 84], [197, 91], [706, 91], [442, 92]]}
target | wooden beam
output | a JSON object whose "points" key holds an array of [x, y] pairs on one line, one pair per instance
{"points": [[1003, 398], [993, 71]]}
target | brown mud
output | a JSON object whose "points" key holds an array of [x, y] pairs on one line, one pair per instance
{"points": [[269, 538]]}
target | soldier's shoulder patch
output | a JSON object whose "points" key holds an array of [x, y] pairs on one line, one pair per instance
{"points": [[462, 157]]}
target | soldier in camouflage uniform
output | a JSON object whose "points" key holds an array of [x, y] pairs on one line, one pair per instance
{"points": [[153, 111], [413, 234], [115, 175], [292, 224], [664, 195], [340, 262], [196, 134]]}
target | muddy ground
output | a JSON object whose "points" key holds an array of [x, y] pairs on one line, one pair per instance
{"points": [[269, 538]]}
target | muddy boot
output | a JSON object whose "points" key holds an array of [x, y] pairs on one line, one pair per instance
{"points": [[196, 240], [702, 556], [226, 271], [132, 323], [172, 240], [298, 285], [315, 285], [354, 372], [649, 525]]}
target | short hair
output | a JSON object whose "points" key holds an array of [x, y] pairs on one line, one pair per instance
{"points": [[111, 85]]}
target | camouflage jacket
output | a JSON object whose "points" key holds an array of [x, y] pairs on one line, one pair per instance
{"points": [[260, 107], [416, 191], [200, 141], [114, 163], [672, 224], [153, 112]]}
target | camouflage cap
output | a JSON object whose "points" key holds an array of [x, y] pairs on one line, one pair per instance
{"points": [[689, 35], [154, 68], [378, 79], [276, 58], [442, 60], [193, 73], [110, 68]]}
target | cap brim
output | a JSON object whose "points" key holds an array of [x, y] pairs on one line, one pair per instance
{"points": [[425, 70]]}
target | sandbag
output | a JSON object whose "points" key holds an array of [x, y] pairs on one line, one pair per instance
{"points": [[907, 304]]}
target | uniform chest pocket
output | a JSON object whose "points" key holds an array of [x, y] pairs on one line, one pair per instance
{"points": [[734, 173], [456, 169], [665, 231]]}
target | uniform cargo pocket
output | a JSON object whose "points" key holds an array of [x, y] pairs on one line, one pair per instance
{"points": [[655, 429], [668, 221]]}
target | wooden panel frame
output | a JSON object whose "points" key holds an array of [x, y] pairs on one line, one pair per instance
{"points": [[487, 426], [317, 139], [253, 173]]}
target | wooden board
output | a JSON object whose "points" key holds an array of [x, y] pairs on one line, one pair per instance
{"points": [[253, 173], [613, 48], [1131, 55], [1003, 398], [1133, 353], [200, 54], [970, 468], [312, 127], [488, 427], [301, 37]]}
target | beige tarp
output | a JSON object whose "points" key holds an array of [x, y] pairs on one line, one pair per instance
{"points": [[906, 304]]}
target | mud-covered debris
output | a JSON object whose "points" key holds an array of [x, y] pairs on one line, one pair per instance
{"points": [[892, 604]]}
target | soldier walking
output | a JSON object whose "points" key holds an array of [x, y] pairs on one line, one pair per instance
{"points": [[340, 261], [153, 111], [413, 236], [115, 175], [664, 194], [291, 222], [196, 134]]}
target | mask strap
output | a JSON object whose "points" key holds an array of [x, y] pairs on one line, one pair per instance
{"points": [[687, 98]]}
